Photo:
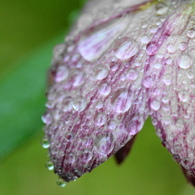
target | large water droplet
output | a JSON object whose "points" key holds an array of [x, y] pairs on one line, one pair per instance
{"points": [[98, 39], [79, 103], [121, 101], [125, 48], [185, 61]]}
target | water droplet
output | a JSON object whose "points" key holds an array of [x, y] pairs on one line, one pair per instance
{"points": [[78, 79], [61, 74], [183, 96], [47, 119], [86, 156], [79, 103], [185, 61], [157, 66], [191, 33], [155, 105], [59, 50], [171, 48], [45, 142], [152, 48], [165, 99], [61, 183], [161, 8], [105, 89], [100, 119], [125, 48], [49, 165], [69, 136], [66, 103], [132, 75], [121, 101], [70, 159], [167, 79], [96, 41], [112, 125], [190, 74], [100, 72], [104, 144], [148, 82], [144, 39], [183, 46]]}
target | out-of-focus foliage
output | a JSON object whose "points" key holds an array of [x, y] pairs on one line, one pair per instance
{"points": [[29, 30]]}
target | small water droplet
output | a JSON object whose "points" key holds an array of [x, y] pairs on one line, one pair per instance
{"points": [[161, 8], [45, 142], [121, 101], [183, 96], [104, 144], [190, 74], [132, 75], [100, 119], [183, 46], [185, 61], [61, 74], [49, 165], [148, 82], [79, 103], [86, 156], [78, 79], [171, 48], [70, 159], [105, 89], [167, 79], [100, 72], [61, 183], [47, 119], [125, 48], [191, 33], [157, 66], [144, 39], [155, 105], [152, 48]]}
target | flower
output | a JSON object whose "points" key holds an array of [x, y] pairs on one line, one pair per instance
{"points": [[121, 64]]}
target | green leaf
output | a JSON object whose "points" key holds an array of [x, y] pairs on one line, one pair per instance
{"points": [[22, 98]]}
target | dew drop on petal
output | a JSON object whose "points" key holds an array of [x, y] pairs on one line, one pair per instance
{"points": [[155, 105], [121, 101], [125, 48], [183, 96], [132, 75], [161, 8], [61, 74], [152, 48], [191, 33], [100, 119], [79, 103], [61, 183], [144, 39], [101, 72], [104, 144], [49, 165], [171, 48], [185, 61], [45, 142], [104, 89], [86, 156]]}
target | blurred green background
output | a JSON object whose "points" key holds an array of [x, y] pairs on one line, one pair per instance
{"points": [[28, 32]]}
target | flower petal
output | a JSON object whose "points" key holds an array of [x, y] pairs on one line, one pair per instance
{"points": [[172, 95]]}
